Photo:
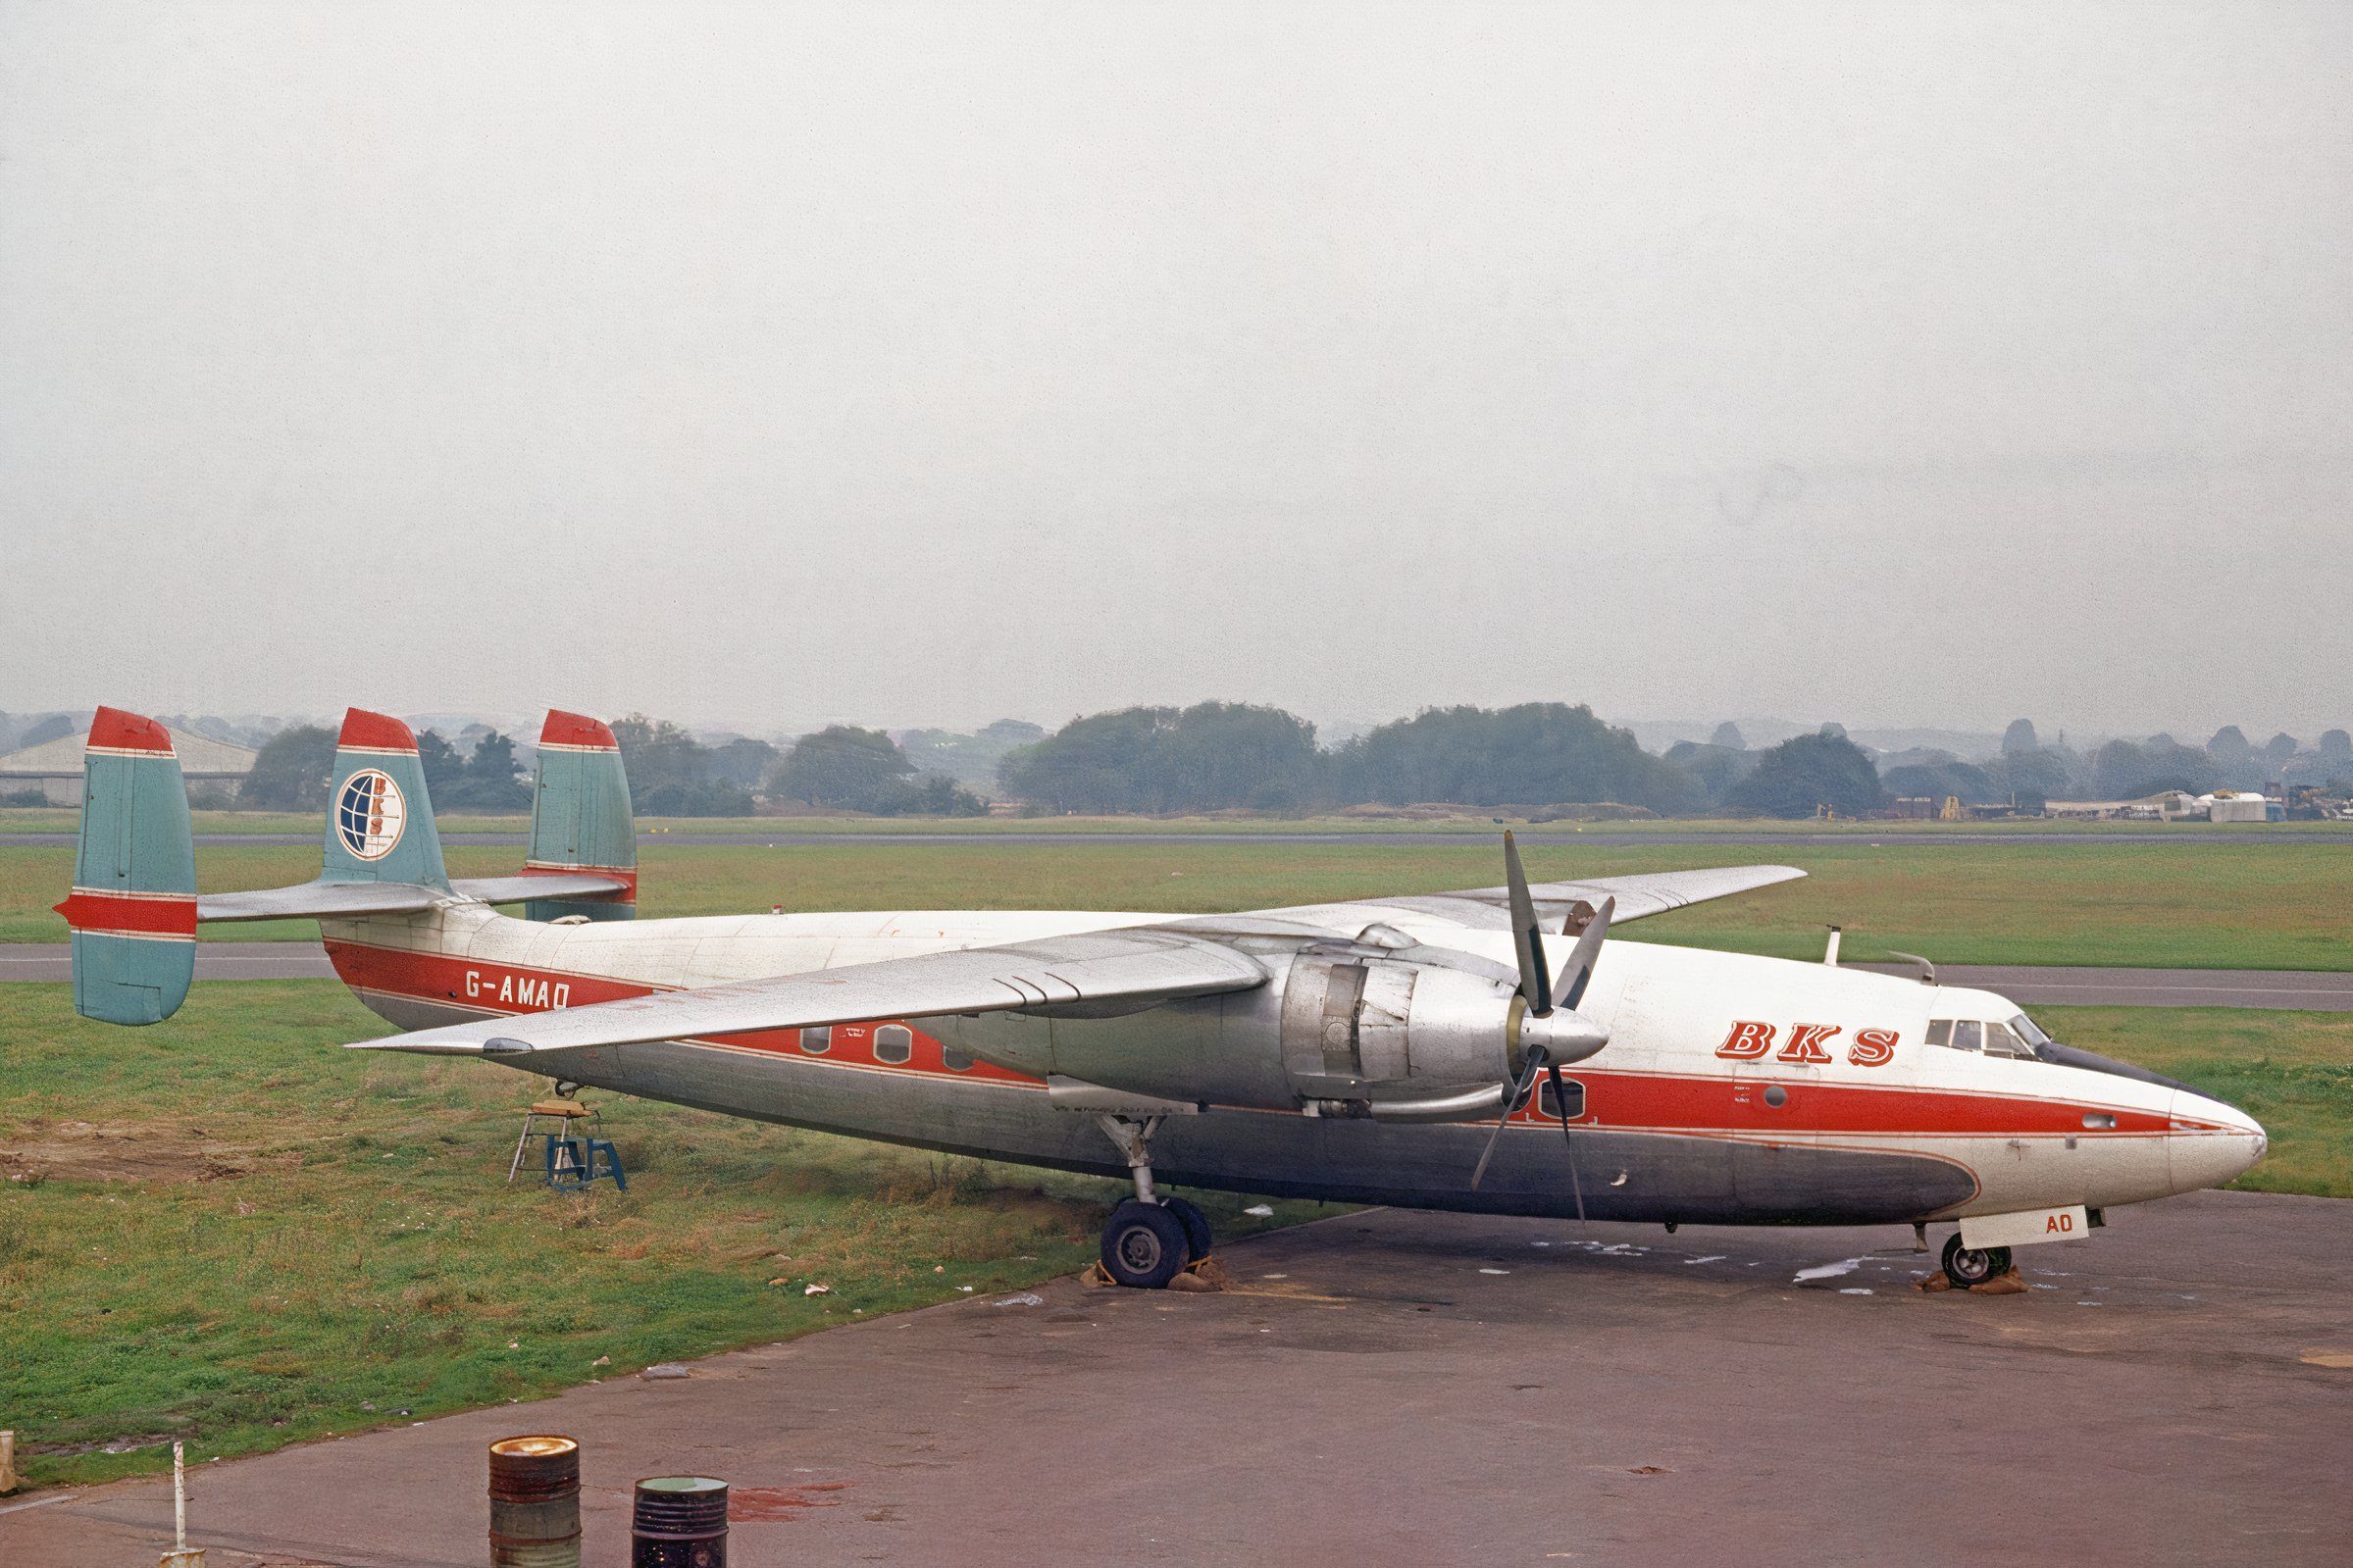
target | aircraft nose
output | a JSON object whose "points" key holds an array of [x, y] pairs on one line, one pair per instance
{"points": [[2211, 1142]]}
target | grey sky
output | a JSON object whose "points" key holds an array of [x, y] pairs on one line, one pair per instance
{"points": [[1892, 363]]}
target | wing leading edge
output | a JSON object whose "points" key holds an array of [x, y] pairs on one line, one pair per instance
{"points": [[1638, 895], [1140, 967]]}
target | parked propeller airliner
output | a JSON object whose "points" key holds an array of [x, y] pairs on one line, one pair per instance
{"points": [[1419, 1050]]}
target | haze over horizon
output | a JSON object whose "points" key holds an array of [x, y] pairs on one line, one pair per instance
{"points": [[1911, 367]]}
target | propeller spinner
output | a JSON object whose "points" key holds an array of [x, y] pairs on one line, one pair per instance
{"points": [[1546, 1036]]}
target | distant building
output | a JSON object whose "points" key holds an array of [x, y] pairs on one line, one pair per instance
{"points": [[54, 766], [2171, 805]]}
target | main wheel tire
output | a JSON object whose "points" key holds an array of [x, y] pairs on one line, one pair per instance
{"points": [[1144, 1245], [1197, 1236], [1966, 1266]]}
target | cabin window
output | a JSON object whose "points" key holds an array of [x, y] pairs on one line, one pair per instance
{"points": [[954, 1061], [1550, 1104], [894, 1044], [817, 1042]]}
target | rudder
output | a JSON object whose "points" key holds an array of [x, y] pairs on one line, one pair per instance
{"points": [[132, 910]]}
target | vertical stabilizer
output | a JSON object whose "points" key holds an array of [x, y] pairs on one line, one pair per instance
{"points": [[380, 825], [132, 910], [580, 816]]}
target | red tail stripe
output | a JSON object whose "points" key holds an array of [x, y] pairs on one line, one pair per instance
{"points": [[149, 914], [118, 730], [376, 731], [576, 730]]}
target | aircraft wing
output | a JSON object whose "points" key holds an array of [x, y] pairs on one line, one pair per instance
{"points": [[1652, 892], [1139, 967]]}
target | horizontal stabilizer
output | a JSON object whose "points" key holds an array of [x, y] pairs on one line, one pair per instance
{"points": [[349, 900], [538, 885], [320, 900], [1144, 967]]}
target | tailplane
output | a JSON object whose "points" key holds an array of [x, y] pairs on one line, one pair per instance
{"points": [[134, 909]]}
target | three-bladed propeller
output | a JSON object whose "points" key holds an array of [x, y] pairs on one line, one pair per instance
{"points": [[1549, 1035]]}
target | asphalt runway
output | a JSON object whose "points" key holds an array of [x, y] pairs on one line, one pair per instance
{"points": [[2317, 991], [789, 838], [1389, 1388]]}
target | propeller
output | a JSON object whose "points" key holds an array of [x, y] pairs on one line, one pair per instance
{"points": [[1549, 1035]]}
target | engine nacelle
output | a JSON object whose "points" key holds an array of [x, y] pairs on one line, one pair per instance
{"points": [[1347, 1031], [1373, 1029]]}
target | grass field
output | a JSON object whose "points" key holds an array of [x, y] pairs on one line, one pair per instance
{"points": [[2203, 903], [238, 1234]]}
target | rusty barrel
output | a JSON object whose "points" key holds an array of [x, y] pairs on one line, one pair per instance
{"points": [[681, 1522], [534, 1503]]}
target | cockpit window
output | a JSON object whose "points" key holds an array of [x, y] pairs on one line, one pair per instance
{"points": [[2019, 1038], [2000, 1041]]}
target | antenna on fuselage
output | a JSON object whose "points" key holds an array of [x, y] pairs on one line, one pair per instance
{"points": [[1927, 970], [1830, 955]]}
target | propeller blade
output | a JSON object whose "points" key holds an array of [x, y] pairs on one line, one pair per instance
{"points": [[1578, 971], [1519, 1094], [1527, 938]]}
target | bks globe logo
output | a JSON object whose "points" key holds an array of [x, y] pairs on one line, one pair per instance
{"points": [[370, 813]]}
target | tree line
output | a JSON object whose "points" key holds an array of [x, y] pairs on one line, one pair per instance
{"points": [[1216, 756]]}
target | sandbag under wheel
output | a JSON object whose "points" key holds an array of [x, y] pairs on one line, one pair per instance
{"points": [[1966, 1266], [1197, 1236], [1144, 1245]]}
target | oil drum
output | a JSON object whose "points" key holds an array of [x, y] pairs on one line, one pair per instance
{"points": [[681, 1522], [534, 1503]]}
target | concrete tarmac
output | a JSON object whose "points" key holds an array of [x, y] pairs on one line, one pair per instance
{"points": [[1391, 1387], [2317, 991]]}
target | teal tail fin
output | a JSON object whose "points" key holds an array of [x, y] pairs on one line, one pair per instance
{"points": [[380, 825], [132, 910], [579, 818]]}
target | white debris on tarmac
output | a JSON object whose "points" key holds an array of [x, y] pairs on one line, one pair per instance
{"points": [[1261, 1211], [1828, 1271], [1025, 1299]]}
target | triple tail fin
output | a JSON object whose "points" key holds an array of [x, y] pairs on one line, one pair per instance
{"points": [[132, 910], [579, 818]]}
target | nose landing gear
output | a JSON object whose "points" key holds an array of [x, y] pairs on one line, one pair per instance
{"points": [[1149, 1239], [1966, 1266]]}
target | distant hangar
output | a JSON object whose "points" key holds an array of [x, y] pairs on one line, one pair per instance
{"points": [[54, 766]]}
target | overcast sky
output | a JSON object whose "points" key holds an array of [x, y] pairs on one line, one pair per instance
{"points": [[1898, 364]]}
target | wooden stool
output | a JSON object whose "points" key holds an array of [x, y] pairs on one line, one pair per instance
{"points": [[563, 1112]]}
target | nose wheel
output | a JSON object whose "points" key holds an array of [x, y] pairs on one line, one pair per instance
{"points": [[1966, 1266], [1149, 1240]]}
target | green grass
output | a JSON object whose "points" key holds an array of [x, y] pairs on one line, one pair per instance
{"points": [[325, 1243], [2208, 902], [2292, 1072]]}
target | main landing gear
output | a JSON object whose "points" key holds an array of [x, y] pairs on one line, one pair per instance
{"points": [[1966, 1266], [1149, 1240]]}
